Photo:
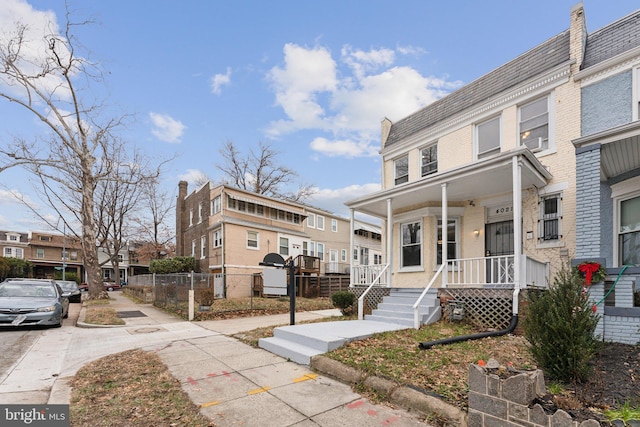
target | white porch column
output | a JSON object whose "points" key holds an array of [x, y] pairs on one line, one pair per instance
{"points": [[517, 228], [352, 227], [445, 231], [389, 241]]}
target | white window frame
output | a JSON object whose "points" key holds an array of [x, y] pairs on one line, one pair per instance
{"points": [[403, 177], [311, 221], [199, 212], [548, 143], [281, 246], [217, 239], [320, 247], [216, 205], [432, 162], [419, 243], [494, 150], [320, 222], [203, 247], [190, 217], [193, 248], [343, 255], [620, 192], [8, 252], [40, 253], [456, 234], [334, 225], [542, 217], [250, 234]]}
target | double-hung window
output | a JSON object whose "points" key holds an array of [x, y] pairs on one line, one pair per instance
{"points": [[401, 168], [252, 240], [629, 231], [321, 251], [217, 238], [284, 246], [216, 205], [311, 221], [429, 160], [534, 125], [320, 222], [549, 225], [203, 246], [411, 242], [334, 225], [488, 137]]}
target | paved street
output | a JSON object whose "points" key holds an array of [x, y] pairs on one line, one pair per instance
{"points": [[233, 383]]}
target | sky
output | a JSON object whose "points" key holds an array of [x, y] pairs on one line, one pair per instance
{"points": [[312, 79]]}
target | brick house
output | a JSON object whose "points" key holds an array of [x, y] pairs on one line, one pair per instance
{"points": [[488, 173], [229, 231], [608, 173], [50, 252]]}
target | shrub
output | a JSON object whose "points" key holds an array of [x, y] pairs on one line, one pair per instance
{"points": [[206, 297], [343, 300], [560, 325], [179, 264]]}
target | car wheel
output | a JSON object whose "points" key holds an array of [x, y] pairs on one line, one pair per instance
{"points": [[110, 289]]}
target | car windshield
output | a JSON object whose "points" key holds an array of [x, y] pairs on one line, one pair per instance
{"points": [[26, 290]]}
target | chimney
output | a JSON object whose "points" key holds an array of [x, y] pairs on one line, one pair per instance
{"points": [[578, 34]]}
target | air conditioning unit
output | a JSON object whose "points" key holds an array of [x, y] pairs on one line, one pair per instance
{"points": [[534, 144]]}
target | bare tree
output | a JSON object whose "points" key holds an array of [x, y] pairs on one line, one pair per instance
{"points": [[80, 150], [259, 173], [151, 222]]}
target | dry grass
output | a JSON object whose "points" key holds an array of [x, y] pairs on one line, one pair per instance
{"points": [[441, 370], [97, 314], [133, 388]]}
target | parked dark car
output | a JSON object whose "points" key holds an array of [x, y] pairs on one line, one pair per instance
{"points": [[108, 286], [32, 302], [70, 289]]}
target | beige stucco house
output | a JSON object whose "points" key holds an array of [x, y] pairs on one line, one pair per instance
{"points": [[229, 232]]}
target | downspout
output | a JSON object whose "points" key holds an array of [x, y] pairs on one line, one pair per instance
{"points": [[351, 243], [389, 242], [512, 326]]}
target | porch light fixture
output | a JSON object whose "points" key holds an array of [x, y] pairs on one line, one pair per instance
{"points": [[476, 233]]}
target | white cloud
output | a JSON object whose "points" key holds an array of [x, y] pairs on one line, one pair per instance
{"points": [[343, 148], [40, 25], [167, 129], [219, 80], [346, 100], [307, 73], [334, 200], [193, 176]]}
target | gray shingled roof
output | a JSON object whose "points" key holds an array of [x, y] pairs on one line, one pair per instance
{"points": [[612, 40], [545, 56]]}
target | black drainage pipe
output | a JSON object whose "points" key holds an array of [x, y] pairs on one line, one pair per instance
{"points": [[512, 326]]}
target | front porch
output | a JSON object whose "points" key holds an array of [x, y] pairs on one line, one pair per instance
{"points": [[462, 228], [483, 288]]}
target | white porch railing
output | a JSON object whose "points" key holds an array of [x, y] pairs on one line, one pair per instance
{"points": [[416, 305], [366, 274], [496, 271], [381, 273]]}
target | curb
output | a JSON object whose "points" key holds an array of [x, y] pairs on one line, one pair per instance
{"points": [[408, 398], [80, 323]]}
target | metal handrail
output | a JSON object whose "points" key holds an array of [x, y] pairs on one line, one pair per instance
{"points": [[416, 305], [361, 298]]}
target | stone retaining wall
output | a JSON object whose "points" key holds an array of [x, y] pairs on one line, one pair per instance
{"points": [[496, 402]]}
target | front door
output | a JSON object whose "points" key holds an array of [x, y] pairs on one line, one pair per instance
{"points": [[498, 243]]}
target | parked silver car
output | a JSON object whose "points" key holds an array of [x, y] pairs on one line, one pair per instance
{"points": [[70, 289], [32, 302]]}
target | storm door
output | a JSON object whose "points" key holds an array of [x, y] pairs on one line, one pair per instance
{"points": [[498, 244]]}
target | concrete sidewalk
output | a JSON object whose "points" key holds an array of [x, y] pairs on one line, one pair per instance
{"points": [[233, 383]]}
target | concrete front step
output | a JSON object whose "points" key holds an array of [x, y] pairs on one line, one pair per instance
{"points": [[397, 308], [299, 343]]}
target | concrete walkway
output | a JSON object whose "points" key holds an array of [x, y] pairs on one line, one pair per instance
{"points": [[233, 383]]}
